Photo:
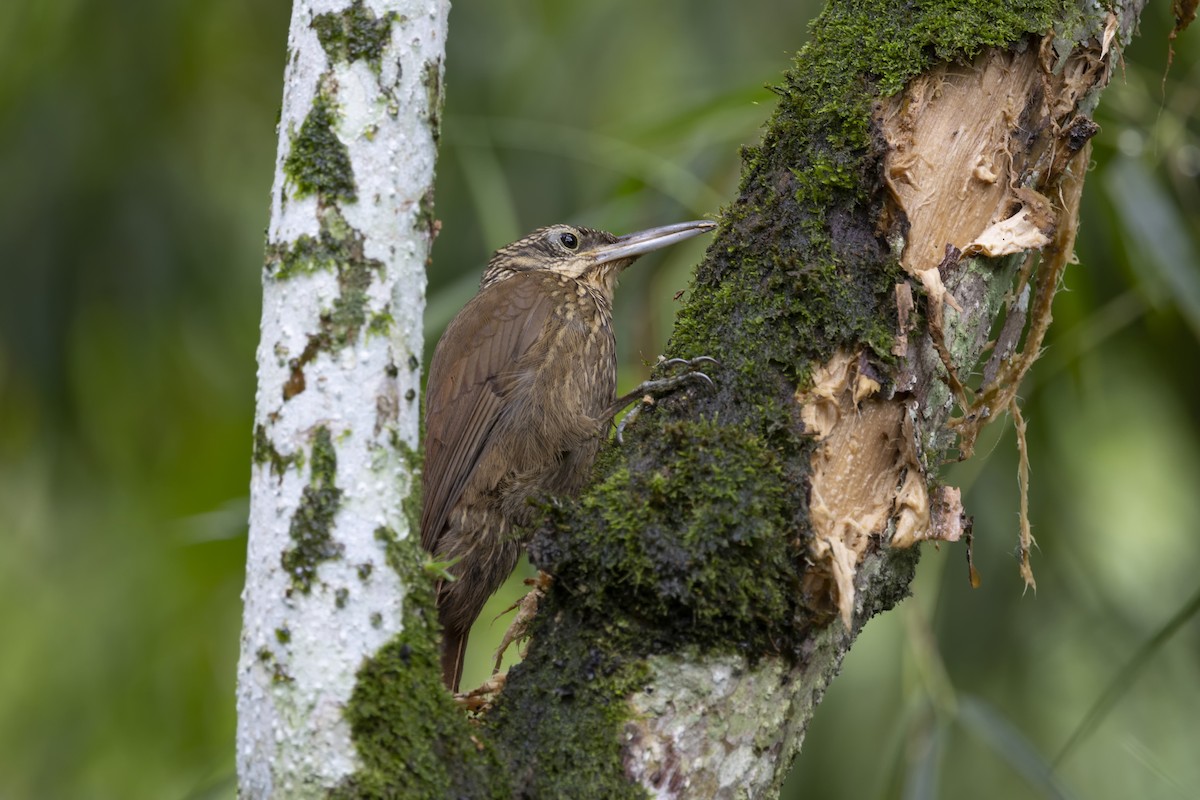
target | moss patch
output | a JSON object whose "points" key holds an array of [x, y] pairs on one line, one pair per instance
{"points": [[414, 461], [318, 162], [312, 520], [355, 34], [337, 248], [381, 323], [434, 96], [279, 675], [265, 453], [696, 540], [557, 724], [412, 740]]}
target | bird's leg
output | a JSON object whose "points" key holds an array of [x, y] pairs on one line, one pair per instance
{"points": [[645, 394], [480, 700], [526, 608]]}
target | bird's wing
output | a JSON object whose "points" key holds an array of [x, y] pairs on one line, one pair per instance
{"points": [[469, 377]]}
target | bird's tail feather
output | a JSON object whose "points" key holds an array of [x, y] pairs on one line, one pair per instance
{"points": [[454, 649]]}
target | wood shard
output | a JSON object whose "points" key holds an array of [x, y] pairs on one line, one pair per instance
{"points": [[1031, 228], [950, 172], [865, 474]]}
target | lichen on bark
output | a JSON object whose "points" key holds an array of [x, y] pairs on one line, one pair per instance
{"points": [[312, 542], [338, 248], [319, 162], [355, 34]]}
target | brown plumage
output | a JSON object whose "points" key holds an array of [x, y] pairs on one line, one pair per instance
{"points": [[521, 390]]}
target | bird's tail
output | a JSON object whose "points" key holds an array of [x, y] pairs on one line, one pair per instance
{"points": [[454, 649]]}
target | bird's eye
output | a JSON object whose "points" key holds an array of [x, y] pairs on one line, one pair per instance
{"points": [[569, 240]]}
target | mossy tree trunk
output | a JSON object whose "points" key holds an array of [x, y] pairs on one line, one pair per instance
{"points": [[915, 195]]}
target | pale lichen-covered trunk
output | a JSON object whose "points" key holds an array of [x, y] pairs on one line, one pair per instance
{"points": [[336, 417]]}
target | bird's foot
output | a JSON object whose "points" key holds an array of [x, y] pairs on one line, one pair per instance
{"points": [[646, 394], [526, 609], [480, 700]]}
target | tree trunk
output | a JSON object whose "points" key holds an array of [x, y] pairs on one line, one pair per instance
{"points": [[337, 416], [713, 577]]}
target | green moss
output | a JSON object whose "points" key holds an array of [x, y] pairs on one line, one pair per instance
{"points": [[349, 312], [265, 453], [380, 324], [336, 248], [279, 675], [411, 504], [559, 721], [309, 529], [697, 540], [694, 538], [355, 34], [800, 269], [318, 162], [434, 96], [411, 739]]}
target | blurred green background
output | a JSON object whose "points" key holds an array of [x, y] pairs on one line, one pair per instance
{"points": [[136, 150]]}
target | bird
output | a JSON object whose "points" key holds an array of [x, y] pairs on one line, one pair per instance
{"points": [[520, 396]]}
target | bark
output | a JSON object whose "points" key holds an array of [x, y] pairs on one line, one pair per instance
{"points": [[336, 417]]}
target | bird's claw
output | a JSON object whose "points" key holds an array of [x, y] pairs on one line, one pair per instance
{"points": [[690, 362], [526, 609], [480, 700], [661, 386], [633, 414]]}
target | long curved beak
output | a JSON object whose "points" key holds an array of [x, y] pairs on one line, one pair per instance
{"points": [[638, 244]]}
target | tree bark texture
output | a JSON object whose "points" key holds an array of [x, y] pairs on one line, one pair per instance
{"points": [[328, 575], [914, 197]]}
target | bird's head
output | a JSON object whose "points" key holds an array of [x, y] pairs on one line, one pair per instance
{"points": [[593, 256]]}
